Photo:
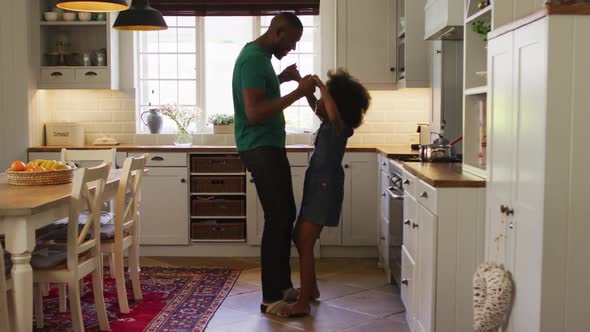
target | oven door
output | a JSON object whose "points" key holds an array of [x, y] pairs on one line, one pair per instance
{"points": [[396, 215]]}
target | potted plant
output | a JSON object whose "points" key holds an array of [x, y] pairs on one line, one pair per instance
{"points": [[222, 123]]}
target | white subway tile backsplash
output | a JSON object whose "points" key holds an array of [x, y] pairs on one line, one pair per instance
{"points": [[147, 139], [110, 104], [373, 139], [122, 116], [112, 127]]}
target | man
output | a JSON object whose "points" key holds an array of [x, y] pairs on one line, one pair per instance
{"points": [[260, 140]]}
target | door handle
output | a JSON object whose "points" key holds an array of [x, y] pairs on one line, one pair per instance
{"points": [[405, 282], [56, 73], [424, 194], [414, 225], [406, 182], [407, 222], [91, 73]]}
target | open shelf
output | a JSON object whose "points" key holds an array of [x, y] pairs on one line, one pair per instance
{"points": [[70, 23], [476, 91], [487, 10]]}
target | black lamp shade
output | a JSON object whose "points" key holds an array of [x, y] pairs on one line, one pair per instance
{"points": [[140, 17], [97, 6]]}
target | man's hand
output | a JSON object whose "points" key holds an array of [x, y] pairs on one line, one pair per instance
{"points": [[306, 86], [290, 74]]}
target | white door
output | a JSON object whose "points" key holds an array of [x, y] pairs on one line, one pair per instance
{"points": [[425, 270], [500, 149], [163, 208], [525, 245], [254, 208], [367, 29], [359, 210]]}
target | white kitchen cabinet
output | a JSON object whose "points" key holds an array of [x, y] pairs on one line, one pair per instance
{"points": [[163, 210], [254, 211], [366, 41], [412, 50], [443, 19], [443, 234], [537, 191], [120, 158]]}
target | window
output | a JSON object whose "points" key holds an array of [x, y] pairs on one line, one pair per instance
{"points": [[191, 64]]}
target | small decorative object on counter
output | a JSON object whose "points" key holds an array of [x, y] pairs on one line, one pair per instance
{"points": [[154, 120], [222, 123], [183, 118]]}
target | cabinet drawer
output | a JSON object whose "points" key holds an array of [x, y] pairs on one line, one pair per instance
{"points": [[165, 159], [407, 285], [222, 206], [218, 230], [91, 75], [298, 158], [409, 183], [216, 164], [426, 195], [410, 221], [57, 75], [218, 184], [383, 163]]}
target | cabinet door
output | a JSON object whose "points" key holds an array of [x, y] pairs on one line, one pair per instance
{"points": [[366, 29], [359, 209], [425, 270], [410, 221], [500, 148], [525, 238], [255, 213], [163, 208], [408, 288]]}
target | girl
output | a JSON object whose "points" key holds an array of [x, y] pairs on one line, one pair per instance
{"points": [[341, 109]]}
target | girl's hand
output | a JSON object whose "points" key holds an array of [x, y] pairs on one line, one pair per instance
{"points": [[318, 81]]}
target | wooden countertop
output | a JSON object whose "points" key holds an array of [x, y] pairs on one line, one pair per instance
{"points": [[390, 151], [444, 175]]}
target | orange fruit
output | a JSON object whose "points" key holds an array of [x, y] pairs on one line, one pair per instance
{"points": [[17, 166], [29, 168], [38, 169]]}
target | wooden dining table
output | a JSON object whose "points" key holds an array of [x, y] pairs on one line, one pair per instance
{"points": [[24, 209]]}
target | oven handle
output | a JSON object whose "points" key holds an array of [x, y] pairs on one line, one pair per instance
{"points": [[394, 195]]}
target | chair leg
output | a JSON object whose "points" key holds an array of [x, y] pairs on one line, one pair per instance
{"points": [[38, 305], [98, 291], [112, 270], [120, 282], [4, 316], [44, 288], [63, 305], [75, 305], [134, 271]]}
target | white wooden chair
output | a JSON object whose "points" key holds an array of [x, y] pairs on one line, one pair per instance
{"points": [[106, 155], [5, 286], [55, 263], [123, 234]]}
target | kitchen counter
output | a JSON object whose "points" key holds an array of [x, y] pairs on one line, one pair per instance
{"points": [[444, 175], [390, 151]]}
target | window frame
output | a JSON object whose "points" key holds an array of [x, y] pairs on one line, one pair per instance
{"points": [[200, 94]]}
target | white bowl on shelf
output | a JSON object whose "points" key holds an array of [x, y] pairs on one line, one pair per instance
{"points": [[50, 16], [69, 16], [482, 74], [82, 16]]}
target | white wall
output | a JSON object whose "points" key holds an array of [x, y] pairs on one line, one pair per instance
{"points": [[17, 80]]}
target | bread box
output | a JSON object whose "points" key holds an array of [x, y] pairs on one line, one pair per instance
{"points": [[64, 133]]}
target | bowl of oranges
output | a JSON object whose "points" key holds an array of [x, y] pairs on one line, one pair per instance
{"points": [[40, 172]]}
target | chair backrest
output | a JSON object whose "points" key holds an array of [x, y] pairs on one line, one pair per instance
{"points": [[88, 238], [126, 206], [106, 155]]}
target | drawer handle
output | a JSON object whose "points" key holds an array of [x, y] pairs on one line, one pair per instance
{"points": [[407, 222], [346, 166], [405, 282], [56, 73], [406, 182], [392, 69], [157, 158], [91, 73], [251, 180], [424, 194], [414, 225], [182, 180]]}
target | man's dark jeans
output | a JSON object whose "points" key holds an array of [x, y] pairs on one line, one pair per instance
{"points": [[272, 176]]}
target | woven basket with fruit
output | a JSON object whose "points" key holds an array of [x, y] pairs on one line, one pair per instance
{"points": [[40, 172]]}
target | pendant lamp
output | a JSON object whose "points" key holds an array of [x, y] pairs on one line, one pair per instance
{"points": [[93, 5], [140, 17]]}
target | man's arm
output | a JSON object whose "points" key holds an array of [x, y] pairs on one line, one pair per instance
{"points": [[258, 109]]}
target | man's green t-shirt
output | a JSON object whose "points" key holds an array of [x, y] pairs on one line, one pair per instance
{"points": [[253, 70]]}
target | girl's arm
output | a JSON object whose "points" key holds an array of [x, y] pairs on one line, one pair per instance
{"points": [[330, 106]]}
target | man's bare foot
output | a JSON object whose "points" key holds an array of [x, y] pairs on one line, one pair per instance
{"points": [[296, 310]]}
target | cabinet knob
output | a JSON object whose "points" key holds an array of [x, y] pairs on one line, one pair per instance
{"points": [[509, 212], [346, 166], [383, 194], [407, 222], [506, 210], [251, 180], [384, 163], [424, 194], [438, 51], [182, 180], [392, 69], [414, 225], [511, 226], [405, 282], [406, 182], [383, 238]]}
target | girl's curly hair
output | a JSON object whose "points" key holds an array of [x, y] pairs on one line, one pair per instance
{"points": [[350, 96]]}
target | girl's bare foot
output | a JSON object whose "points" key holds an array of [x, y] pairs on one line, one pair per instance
{"points": [[298, 309]]}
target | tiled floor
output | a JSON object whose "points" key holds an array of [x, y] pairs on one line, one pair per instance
{"points": [[355, 298]]}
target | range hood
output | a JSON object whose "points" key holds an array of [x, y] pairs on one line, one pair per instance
{"points": [[443, 20]]}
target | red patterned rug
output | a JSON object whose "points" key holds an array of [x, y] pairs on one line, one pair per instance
{"points": [[174, 299]]}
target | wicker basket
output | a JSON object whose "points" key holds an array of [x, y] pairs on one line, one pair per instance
{"points": [[214, 230], [40, 178]]}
